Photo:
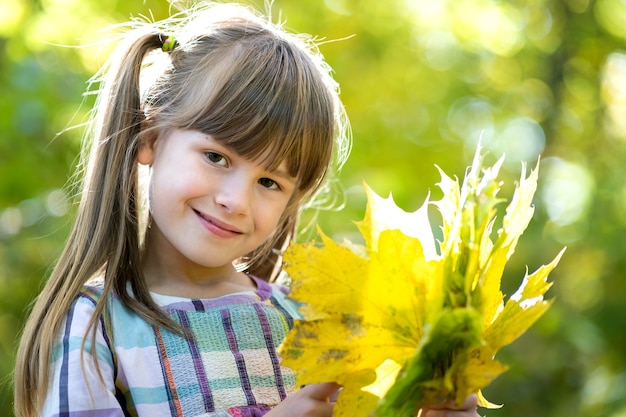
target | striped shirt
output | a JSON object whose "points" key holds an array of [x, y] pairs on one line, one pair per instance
{"points": [[229, 368]]}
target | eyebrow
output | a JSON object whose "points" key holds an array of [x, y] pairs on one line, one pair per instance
{"points": [[279, 172]]}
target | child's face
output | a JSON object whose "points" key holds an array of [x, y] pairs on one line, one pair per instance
{"points": [[209, 205]]}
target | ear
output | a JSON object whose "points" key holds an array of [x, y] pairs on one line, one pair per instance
{"points": [[145, 154]]}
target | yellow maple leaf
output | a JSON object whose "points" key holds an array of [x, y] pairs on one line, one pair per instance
{"points": [[403, 322]]}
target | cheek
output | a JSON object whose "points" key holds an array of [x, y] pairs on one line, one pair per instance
{"points": [[285, 212], [173, 186], [269, 216]]}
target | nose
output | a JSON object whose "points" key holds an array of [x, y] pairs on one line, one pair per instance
{"points": [[234, 194]]}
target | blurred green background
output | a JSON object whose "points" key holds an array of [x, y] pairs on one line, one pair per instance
{"points": [[422, 80]]}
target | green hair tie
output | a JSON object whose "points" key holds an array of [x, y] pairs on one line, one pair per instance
{"points": [[169, 44]]}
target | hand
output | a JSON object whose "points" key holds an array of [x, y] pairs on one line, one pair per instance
{"points": [[447, 409], [316, 400]]}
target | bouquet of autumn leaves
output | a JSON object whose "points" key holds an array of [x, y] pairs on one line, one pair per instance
{"points": [[403, 323]]}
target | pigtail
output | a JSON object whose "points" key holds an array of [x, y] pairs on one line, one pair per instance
{"points": [[112, 196], [105, 235], [120, 138]]}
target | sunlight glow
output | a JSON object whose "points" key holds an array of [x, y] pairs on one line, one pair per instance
{"points": [[471, 118], [520, 139], [613, 92], [338, 6], [81, 21], [10, 221], [611, 14], [428, 14], [12, 13], [440, 49], [567, 191], [495, 26], [57, 203], [485, 24], [30, 212]]}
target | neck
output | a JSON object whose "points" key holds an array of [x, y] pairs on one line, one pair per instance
{"points": [[193, 281]]}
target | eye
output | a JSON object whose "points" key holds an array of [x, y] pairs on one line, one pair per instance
{"points": [[269, 183], [216, 158]]}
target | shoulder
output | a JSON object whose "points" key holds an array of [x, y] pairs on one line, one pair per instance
{"points": [[84, 318], [81, 346], [75, 334], [278, 294], [84, 305], [91, 293]]}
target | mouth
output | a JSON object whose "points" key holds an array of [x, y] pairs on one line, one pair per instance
{"points": [[216, 225]]}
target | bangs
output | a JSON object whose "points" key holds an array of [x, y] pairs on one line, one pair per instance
{"points": [[272, 107]]}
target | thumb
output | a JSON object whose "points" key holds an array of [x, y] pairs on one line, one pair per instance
{"points": [[470, 403], [321, 391]]}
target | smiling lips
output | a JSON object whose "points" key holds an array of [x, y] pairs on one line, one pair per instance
{"points": [[217, 227]]}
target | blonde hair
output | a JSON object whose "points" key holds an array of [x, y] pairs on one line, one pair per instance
{"points": [[232, 74]]}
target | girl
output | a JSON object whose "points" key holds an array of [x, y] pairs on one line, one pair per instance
{"points": [[168, 311]]}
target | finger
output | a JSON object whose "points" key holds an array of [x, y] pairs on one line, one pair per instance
{"points": [[470, 403], [321, 391], [334, 396]]}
